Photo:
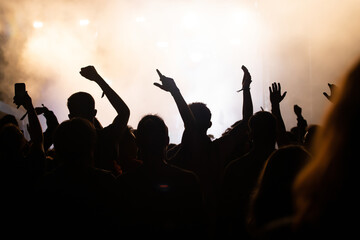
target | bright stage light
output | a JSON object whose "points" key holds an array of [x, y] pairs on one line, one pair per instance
{"points": [[84, 22], [196, 57], [190, 21], [37, 24], [162, 44], [140, 19]]}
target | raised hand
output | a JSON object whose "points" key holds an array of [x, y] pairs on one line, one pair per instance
{"points": [[333, 90], [90, 73], [246, 79], [168, 84], [297, 110], [275, 94], [41, 110]]}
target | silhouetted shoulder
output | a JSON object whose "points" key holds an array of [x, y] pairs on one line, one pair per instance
{"points": [[237, 164]]}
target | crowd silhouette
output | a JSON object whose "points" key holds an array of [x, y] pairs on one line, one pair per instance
{"points": [[257, 181]]}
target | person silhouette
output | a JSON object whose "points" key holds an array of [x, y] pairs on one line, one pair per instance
{"points": [[8, 118], [166, 200], [128, 158], [241, 174], [22, 166], [276, 98], [76, 196], [82, 104], [325, 191], [271, 201], [197, 152]]}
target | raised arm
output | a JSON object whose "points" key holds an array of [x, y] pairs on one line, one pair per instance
{"points": [[36, 153], [51, 123], [247, 101], [119, 105], [35, 130], [301, 123], [333, 90], [275, 98], [168, 85]]}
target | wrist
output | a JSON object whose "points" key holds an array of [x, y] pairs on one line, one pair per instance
{"points": [[175, 91], [275, 106]]}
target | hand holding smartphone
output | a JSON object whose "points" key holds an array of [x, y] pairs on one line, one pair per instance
{"points": [[20, 91]]}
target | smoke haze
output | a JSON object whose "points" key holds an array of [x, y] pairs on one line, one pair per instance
{"points": [[201, 44]]}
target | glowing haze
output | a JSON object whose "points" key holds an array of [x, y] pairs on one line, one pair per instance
{"points": [[201, 44]]}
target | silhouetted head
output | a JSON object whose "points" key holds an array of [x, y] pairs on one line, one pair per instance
{"points": [[8, 118], [152, 135], [272, 197], [81, 104], [74, 142], [127, 145], [262, 127], [202, 115], [310, 136], [12, 140]]}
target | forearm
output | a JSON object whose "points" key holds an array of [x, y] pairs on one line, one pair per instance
{"points": [[280, 125], [119, 105], [51, 123], [301, 125], [35, 132], [247, 104], [185, 112], [275, 109]]}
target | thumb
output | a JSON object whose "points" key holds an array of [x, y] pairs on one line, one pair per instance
{"points": [[326, 95], [159, 85]]}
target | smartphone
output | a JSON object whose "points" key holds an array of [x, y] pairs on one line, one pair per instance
{"points": [[20, 90]]}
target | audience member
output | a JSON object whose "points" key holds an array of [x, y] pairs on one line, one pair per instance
{"points": [[256, 181], [22, 165], [76, 197], [240, 177], [271, 201], [166, 200], [82, 104], [326, 200], [198, 153]]}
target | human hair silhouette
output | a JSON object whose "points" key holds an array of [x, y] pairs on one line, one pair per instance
{"points": [[75, 142], [309, 136], [202, 115], [271, 200], [152, 137], [325, 195], [81, 104], [12, 143], [128, 151], [8, 118], [262, 128]]}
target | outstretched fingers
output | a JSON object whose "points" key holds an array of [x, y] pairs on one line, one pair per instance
{"points": [[161, 77], [159, 73]]}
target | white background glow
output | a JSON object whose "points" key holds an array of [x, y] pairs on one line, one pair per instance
{"points": [[201, 44]]}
